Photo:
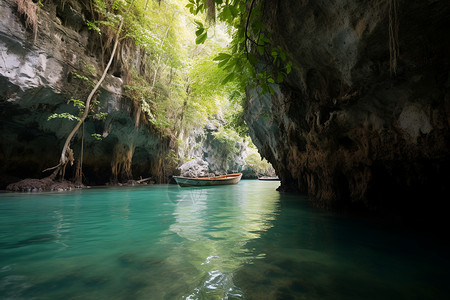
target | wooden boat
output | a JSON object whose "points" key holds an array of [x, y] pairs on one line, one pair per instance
{"points": [[207, 181], [267, 178]]}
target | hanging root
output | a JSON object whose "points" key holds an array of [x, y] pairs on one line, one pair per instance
{"points": [[394, 51], [61, 167], [121, 162], [28, 9]]}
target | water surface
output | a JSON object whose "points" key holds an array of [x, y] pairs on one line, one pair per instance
{"points": [[244, 241]]}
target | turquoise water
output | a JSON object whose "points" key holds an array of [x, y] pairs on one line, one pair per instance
{"points": [[244, 241]]}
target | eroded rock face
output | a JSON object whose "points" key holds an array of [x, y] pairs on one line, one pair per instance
{"points": [[36, 80], [202, 143], [343, 128], [195, 168]]}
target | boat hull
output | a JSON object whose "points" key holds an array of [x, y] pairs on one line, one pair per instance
{"points": [[209, 181]]}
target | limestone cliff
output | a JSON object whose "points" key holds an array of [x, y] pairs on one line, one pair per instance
{"points": [[359, 122], [37, 78], [221, 154]]}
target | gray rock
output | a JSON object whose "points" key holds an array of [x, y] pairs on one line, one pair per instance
{"points": [[195, 168]]}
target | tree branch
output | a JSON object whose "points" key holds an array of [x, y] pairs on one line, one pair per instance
{"points": [[246, 29]]}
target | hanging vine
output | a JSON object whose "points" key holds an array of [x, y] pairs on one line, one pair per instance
{"points": [[394, 51]]}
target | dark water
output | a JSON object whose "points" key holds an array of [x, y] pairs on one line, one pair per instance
{"points": [[245, 241]]}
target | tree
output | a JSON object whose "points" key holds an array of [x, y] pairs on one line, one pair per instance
{"points": [[67, 153]]}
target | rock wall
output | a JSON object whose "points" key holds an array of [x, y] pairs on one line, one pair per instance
{"points": [[349, 127], [221, 157], [37, 79]]}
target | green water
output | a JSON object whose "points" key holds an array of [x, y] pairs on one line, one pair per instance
{"points": [[244, 241]]}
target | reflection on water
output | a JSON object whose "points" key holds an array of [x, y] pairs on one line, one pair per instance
{"points": [[244, 241], [216, 233]]}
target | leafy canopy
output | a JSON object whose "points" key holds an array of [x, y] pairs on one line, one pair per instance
{"points": [[250, 45]]}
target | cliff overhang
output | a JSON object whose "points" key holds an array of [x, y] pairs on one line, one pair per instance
{"points": [[354, 126]]}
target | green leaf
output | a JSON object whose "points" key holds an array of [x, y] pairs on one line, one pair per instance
{"points": [[201, 38], [199, 24], [228, 78], [280, 77], [199, 8], [222, 63], [261, 50], [93, 26], [271, 90], [222, 56], [289, 67], [97, 136], [252, 59], [226, 14], [63, 116], [199, 31], [77, 103]]}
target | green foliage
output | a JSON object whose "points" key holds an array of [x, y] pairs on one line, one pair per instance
{"points": [[91, 69], [257, 164], [63, 116], [235, 121], [201, 33], [181, 86], [195, 6], [100, 116], [76, 75], [153, 101], [88, 76], [93, 26], [97, 136], [86, 84], [78, 103], [227, 140], [249, 32]]}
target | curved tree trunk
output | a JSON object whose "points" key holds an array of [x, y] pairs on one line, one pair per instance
{"points": [[62, 159]]}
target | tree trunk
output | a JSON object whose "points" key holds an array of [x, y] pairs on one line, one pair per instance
{"points": [[62, 159]]}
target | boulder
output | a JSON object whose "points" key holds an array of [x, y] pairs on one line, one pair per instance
{"points": [[195, 168]]}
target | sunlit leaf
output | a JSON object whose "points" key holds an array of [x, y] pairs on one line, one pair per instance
{"points": [[222, 56], [199, 31], [201, 38], [228, 78]]}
